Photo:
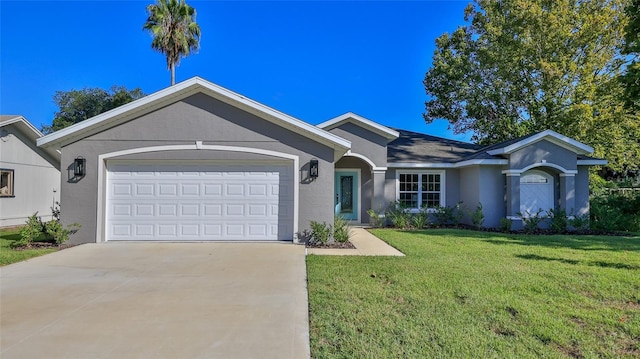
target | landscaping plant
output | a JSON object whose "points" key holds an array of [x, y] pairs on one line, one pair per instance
{"points": [[320, 233], [477, 216], [340, 229]]}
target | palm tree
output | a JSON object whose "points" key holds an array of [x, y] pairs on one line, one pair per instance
{"points": [[172, 23]]}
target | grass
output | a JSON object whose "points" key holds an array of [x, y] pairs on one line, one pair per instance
{"points": [[474, 294], [9, 255]]}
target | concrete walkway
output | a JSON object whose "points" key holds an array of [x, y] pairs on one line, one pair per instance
{"points": [[157, 300], [366, 245]]}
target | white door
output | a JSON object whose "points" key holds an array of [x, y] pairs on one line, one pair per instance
{"points": [[536, 192], [199, 202]]}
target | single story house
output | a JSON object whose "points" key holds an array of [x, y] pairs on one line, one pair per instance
{"points": [[29, 175], [196, 161]]}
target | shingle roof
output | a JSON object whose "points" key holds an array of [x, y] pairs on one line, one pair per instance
{"points": [[418, 147]]}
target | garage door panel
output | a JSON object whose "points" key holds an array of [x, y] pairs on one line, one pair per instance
{"points": [[147, 202]]}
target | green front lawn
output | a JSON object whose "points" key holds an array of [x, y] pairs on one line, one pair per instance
{"points": [[9, 255], [464, 294]]}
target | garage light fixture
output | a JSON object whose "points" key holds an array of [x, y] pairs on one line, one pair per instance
{"points": [[313, 168], [79, 167]]}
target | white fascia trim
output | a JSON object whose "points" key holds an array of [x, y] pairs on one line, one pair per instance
{"points": [[488, 161], [183, 90], [102, 176], [21, 119], [592, 162], [359, 120], [552, 136], [535, 165], [419, 165], [366, 159]]}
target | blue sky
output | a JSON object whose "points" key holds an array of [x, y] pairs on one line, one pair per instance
{"points": [[313, 60]]}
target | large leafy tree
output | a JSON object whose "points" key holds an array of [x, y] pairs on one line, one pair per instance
{"points": [[78, 105], [631, 79], [521, 66], [172, 23]]}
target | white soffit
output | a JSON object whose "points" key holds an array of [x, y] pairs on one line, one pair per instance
{"points": [[549, 135], [362, 122], [177, 92]]}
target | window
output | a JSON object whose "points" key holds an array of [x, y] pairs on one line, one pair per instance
{"points": [[420, 189], [6, 183]]}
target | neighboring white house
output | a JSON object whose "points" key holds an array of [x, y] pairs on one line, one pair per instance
{"points": [[29, 175]]}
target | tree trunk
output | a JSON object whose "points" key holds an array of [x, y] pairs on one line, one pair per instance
{"points": [[173, 74]]}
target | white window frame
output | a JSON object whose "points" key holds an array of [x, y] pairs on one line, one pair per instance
{"points": [[420, 173], [11, 190]]}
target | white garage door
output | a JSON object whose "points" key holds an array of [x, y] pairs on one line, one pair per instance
{"points": [[199, 202]]}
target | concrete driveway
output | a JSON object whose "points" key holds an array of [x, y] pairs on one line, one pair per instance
{"points": [[157, 300]]}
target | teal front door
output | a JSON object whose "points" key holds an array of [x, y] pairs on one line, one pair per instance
{"points": [[346, 194]]}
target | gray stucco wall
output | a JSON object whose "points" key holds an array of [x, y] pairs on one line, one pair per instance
{"points": [[582, 191], [36, 177], [491, 191], [364, 142], [197, 118], [366, 184], [543, 151]]}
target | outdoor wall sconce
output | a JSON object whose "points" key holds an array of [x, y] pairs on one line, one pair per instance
{"points": [[79, 167], [313, 168]]}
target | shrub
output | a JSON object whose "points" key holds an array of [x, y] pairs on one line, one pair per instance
{"points": [[340, 229], [579, 223], [617, 210], [531, 221], [421, 219], [558, 220], [376, 218], [59, 233], [399, 215], [30, 232], [320, 232], [505, 224], [445, 215], [477, 217]]}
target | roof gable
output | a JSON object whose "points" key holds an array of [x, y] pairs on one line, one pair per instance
{"points": [[30, 131], [357, 120], [178, 92], [548, 135]]}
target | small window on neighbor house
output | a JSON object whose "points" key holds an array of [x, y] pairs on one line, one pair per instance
{"points": [[6, 183]]}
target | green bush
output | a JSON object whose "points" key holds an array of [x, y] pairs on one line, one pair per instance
{"points": [[340, 229], [616, 210], [399, 215], [559, 222], [579, 223], [376, 218], [31, 231], [531, 221], [420, 220], [320, 232], [505, 224], [445, 215], [477, 216], [59, 233]]}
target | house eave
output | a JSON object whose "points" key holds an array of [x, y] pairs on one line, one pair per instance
{"points": [[549, 135], [176, 93], [484, 162], [379, 129]]}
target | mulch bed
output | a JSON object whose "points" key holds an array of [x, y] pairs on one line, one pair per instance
{"points": [[332, 245], [43, 245]]}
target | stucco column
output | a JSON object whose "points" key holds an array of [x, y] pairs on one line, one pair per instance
{"points": [[568, 192], [377, 200], [513, 194]]}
